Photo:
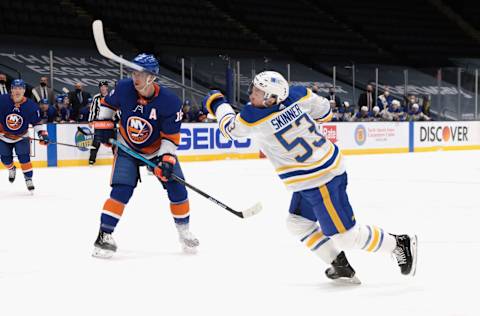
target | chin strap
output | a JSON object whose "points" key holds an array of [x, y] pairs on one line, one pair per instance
{"points": [[147, 84]]}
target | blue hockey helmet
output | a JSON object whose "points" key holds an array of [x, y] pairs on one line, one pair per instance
{"points": [[60, 98], [147, 61], [44, 101], [18, 83]]}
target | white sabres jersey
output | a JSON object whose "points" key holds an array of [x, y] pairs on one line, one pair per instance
{"points": [[288, 134]]}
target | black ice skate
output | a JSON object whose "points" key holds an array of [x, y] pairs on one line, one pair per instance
{"points": [[406, 253], [341, 271], [11, 174], [105, 246], [30, 185]]}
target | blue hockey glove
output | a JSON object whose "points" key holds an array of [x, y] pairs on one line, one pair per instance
{"points": [[104, 130], [212, 101]]}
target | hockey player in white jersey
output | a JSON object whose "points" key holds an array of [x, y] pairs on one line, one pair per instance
{"points": [[283, 121]]}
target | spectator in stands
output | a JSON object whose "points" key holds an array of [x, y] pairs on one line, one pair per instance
{"points": [[63, 109], [43, 91], [315, 88], [84, 112], [384, 100], [188, 115], [366, 98], [3, 84], [48, 114], [333, 97], [346, 112], [362, 116], [394, 112], [416, 114], [376, 114], [411, 100], [78, 99], [201, 117], [336, 114]]}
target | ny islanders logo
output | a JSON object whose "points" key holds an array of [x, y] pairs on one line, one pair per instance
{"points": [[14, 121], [139, 130]]}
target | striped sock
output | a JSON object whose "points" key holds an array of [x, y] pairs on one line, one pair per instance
{"points": [[180, 212], [111, 214], [376, 240], [321, 245], [27, 169]]}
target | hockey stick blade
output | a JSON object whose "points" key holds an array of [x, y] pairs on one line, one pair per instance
{"points": [[254, 210], [103, 49]]}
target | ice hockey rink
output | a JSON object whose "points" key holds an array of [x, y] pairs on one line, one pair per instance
{"points": [[244, 266]]}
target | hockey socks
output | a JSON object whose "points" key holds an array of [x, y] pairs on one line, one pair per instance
{"points": [[111, 214]]}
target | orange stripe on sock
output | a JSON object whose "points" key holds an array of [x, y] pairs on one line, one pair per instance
{"points": [[26, 166], [114, 206], [10, 166], [180, 209]]}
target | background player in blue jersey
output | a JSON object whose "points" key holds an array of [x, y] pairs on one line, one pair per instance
{"points": [[150, 118], [16, 114], [281, 119]]}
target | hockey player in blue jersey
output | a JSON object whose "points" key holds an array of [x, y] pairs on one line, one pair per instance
{"points": [[282, 120], [150, 118], [16, 114]]}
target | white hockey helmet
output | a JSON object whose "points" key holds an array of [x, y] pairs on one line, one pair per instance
{"points": [[273, 84]]}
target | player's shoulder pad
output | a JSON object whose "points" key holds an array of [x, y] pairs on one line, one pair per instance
{"points": [[297, 94], [251, 115]]}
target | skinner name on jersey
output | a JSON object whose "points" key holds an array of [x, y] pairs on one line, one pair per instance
{"points": [[286, 117]]}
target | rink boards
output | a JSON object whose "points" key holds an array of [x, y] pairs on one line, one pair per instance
{"points": [[203, 141]]}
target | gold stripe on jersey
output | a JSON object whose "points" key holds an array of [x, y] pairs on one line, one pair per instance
{"points": [[327, 118], [315, 175], [266, 118], [313, 164]]}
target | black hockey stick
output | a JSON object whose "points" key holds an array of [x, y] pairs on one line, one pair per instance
{"points": [[56, 143], [243, 214]]}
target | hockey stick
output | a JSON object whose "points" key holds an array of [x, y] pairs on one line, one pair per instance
{"points": [[103, 49], [243, 214], [61, 144]]}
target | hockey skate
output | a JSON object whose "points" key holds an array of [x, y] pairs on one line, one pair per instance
{"points": [[341, 271], [188, 240], [406, 253], [30, 185], [104, 246], [11, 174]]}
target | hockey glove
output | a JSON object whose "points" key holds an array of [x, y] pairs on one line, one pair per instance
{"points": [[103, 132], [43, 136], [212, 101], [164, 169]]}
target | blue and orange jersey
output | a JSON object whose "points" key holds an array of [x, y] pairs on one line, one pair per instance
{"points": [[144, 123], [16, 117]]}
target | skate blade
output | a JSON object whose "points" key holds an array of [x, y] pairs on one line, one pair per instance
{"points": [[414, 249], [191, 250], [102, 253], [348, 281]]}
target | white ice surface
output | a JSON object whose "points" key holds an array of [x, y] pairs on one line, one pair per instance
{"points": [[244, 267]]}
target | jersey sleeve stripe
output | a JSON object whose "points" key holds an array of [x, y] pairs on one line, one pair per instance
{"points": [[174, 138], [104, 103], [326, 118]]}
